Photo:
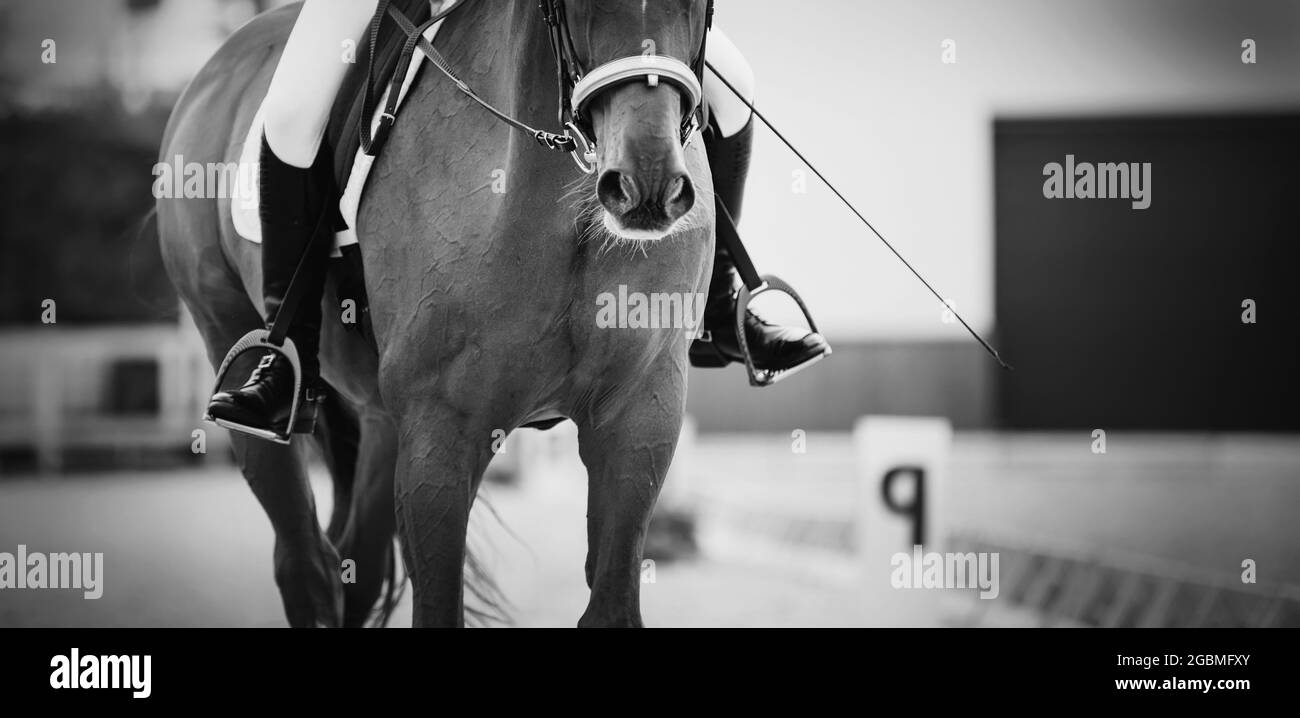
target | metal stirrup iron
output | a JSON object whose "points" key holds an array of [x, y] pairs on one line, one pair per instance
{"points": [[275, 339], [754, 285]]}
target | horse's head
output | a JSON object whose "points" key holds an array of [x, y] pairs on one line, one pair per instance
{"points": [[638, 117]]}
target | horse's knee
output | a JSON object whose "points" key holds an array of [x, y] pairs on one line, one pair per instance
{"points": [[402, 384]]}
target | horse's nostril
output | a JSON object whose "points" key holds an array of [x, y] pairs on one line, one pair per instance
{"points": [[681, 197], [617, 192], [675, 188], [650, 204]]}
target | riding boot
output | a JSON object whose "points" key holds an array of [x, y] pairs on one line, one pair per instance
{"points": [[771, 347], [291, 202]]}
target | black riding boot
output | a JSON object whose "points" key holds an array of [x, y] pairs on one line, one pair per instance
{"points": [[291, 201], [772, 347]]}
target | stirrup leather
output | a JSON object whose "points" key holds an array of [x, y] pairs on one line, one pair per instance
{"points": [[259, 340]]}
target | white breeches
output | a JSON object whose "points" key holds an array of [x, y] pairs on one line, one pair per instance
{"points": [[310, 73], [728, 111], [326, 36]]}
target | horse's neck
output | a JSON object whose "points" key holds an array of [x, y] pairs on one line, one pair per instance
{"points": [[503, 51], [519, 35]]}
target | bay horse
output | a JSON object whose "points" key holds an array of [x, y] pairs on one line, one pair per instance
{"points": [[483, 302]]}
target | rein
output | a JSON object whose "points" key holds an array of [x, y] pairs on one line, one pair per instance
{"points": [[576, 87]]}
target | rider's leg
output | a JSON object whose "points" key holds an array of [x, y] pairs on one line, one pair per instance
{"points": [[309, 75], [297, 106], [728, 142]]}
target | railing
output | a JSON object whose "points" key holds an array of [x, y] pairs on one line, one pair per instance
{"points": [[1093, 586], [54, 380]]}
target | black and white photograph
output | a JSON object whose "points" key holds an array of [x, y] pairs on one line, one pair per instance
{"points": [[742, 314]]}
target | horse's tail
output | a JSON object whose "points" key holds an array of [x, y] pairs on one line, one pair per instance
{"points": [[488, 607], [149, 217], [486, 603], [143, 242]]}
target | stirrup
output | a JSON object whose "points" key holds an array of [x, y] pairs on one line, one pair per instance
{"points": [[768, 377], [260, 340]]}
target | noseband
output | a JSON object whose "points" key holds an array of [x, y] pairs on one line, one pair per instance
{"points": [[577, 87]]}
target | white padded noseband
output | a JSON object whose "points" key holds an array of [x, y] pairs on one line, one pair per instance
{"points": [[654, 68]]}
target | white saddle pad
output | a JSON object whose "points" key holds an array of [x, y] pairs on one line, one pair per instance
{"points": [[244, 212]]}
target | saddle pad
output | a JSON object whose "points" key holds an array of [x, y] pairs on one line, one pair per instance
{"points": [[244, 213]]}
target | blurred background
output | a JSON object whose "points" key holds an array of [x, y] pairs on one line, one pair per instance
{"points": [[936, 118]]}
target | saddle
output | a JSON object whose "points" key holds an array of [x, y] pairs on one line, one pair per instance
{"points": [[380, 53]]}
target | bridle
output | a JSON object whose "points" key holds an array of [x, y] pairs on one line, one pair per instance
{"points": [[577, 87]]}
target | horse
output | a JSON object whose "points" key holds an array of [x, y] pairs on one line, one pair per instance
{"points": [[483, 299]]}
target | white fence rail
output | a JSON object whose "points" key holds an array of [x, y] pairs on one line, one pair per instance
{"points": [[54, 382]]}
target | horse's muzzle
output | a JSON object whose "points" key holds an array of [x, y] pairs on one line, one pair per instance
{"points": [[643, 185], [646, 204]]}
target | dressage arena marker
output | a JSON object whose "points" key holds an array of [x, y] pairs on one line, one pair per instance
{"points": [[902, 465], [1044, 579]]}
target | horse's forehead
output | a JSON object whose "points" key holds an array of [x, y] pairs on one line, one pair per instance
{"points": [[635, 15], [622, 26], [647, 9]]}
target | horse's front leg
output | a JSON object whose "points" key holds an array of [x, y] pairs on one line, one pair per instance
{"points": [[444, 442], [440, 461], [627, 457]]}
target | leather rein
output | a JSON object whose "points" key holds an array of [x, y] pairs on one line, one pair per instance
{"points": [[577, 87]]}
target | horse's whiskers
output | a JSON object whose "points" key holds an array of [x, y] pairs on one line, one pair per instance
{"points": [[589, 220]]}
